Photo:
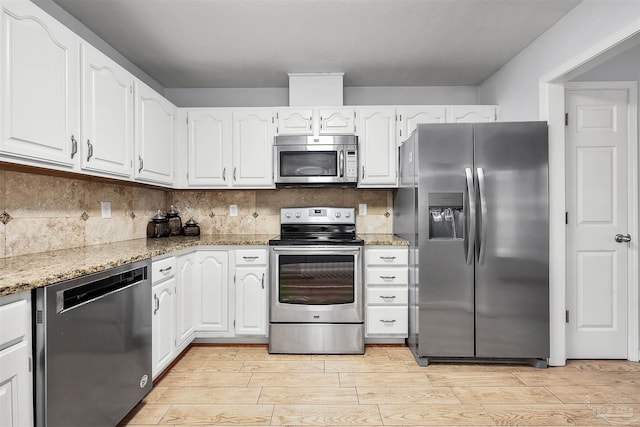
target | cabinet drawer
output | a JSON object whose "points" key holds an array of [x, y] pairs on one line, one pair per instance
{"points": [[387, 296], [387, 276], [386, 257], [163, 269], [387, 321], [13, 317], [251, 257]]}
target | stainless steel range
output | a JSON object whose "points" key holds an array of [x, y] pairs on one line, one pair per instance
{"points": [[316, 283]]}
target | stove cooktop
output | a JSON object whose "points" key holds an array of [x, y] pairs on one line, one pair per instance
{"points": [[318, 240]]}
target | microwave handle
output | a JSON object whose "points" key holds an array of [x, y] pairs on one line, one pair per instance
{"points": [[341, 163]]}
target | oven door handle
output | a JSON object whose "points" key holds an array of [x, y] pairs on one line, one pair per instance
{"points": [[310, 250]]}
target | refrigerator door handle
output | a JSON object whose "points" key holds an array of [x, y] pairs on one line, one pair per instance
{"points": [[470, 237], [482, 244]]}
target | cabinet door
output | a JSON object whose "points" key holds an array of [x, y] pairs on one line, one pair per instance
{"points": [[251, 301], [377, 147], [209, 151], [185, 298], [163, 324], [253, 133], [212, 293], [471, 113], [410, 117], [15, 386], [107, 115], [295, 122], [155, 121], [337, 120], [39, 91]]}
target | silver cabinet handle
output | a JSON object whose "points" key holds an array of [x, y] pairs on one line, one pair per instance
{"points": [[250, 258], [623, 238], [140, 163], [164, 270], [387, 298], [262, 280], [388, 277], [74, 146], [90, 149], [388, 322], [341, 163], [234, 174], [470, 237], [362, 172], [387, 258], [483, 217], [224, 174], [157, 304]]}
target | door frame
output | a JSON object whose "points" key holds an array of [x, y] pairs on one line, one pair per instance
{"points": [[632, 199], [552, 109]]}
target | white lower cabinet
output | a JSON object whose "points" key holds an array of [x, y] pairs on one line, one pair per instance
{"points": [[251, 284], [386, 279], [16, 386], [185, 300], [163, 324], [212, 292]]}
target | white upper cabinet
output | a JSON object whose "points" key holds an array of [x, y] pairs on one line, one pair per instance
{"points": [[253, 133], [334, 121], [39, 89], [154, 136], [471, 113], [295, 122], [209, 150], [377, 147], [107, 115], [411, 116]]}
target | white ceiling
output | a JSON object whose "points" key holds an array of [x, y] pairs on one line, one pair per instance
{"points": [[255, 43]]}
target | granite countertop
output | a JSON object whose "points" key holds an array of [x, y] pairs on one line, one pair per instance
{"points": [[27, 272]]}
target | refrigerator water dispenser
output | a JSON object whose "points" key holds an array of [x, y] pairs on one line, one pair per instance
{"points": [[446, 216]]}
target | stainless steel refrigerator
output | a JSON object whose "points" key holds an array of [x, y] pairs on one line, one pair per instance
{"points": [[473, 203]]}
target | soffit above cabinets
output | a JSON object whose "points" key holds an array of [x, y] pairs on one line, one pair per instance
{"points": [[255, 43]]}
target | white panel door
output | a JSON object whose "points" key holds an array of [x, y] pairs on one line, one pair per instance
{"points": [[294, 122], [253, 133], [471, 114], [334, 121], [212, 293], [16, 404], [377, 147], [39, 89], [251, 301], [155, 127], [410, 117], [107, 120], [210, 143], [185, 298], [163, 325], [597, 206]]}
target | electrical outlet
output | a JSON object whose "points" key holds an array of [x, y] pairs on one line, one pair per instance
{"points": [[362, 209], [106, 209], [233, 210]]}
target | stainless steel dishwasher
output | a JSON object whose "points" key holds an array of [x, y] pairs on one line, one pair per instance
{"points": [[92, 347]]}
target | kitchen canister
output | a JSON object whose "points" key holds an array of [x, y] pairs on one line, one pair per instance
{"points": [[158, 226], [191, 228], [175, 223]]}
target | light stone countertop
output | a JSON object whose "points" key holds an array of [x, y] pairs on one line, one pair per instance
{"points": [[27, 272]]}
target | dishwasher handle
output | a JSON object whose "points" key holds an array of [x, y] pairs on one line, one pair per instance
{"points": [[88, 292]]}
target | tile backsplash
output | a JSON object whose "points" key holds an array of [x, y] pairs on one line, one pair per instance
{"points": [[41, 213]]}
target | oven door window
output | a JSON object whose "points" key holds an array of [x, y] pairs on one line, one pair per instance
{"points": [[316, 279], [308, 163]]}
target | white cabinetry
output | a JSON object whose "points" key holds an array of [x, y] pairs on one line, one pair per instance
{"points": [[253, 133], [386, 278], [40, 106], [16, 387], [209, 150], [411, 116], [164, 289], [251, 284], [377, 147], [185, 300], [212, 292], [316, 121], [471, 113], [154, 136], [107, 115]]}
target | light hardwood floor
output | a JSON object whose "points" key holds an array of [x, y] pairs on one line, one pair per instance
{"points": [[244, 385]]}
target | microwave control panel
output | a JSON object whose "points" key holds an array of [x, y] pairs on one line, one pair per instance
{"points": [[351, 166]]}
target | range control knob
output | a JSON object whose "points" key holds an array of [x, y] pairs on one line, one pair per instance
{"points": [[298, 214], [347, 215], [288, 215], [338, 214]]}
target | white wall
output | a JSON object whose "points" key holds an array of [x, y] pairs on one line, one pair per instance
{"points": [[515, 86], [278, 97]]}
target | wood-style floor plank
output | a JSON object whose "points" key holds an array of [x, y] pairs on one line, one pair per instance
{"points": [[245, 385]]}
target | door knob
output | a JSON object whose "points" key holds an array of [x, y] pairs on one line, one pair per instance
{"points": [[623, 238]]}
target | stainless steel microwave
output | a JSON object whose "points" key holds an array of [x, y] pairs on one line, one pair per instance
{"points": [[316, 160]]}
